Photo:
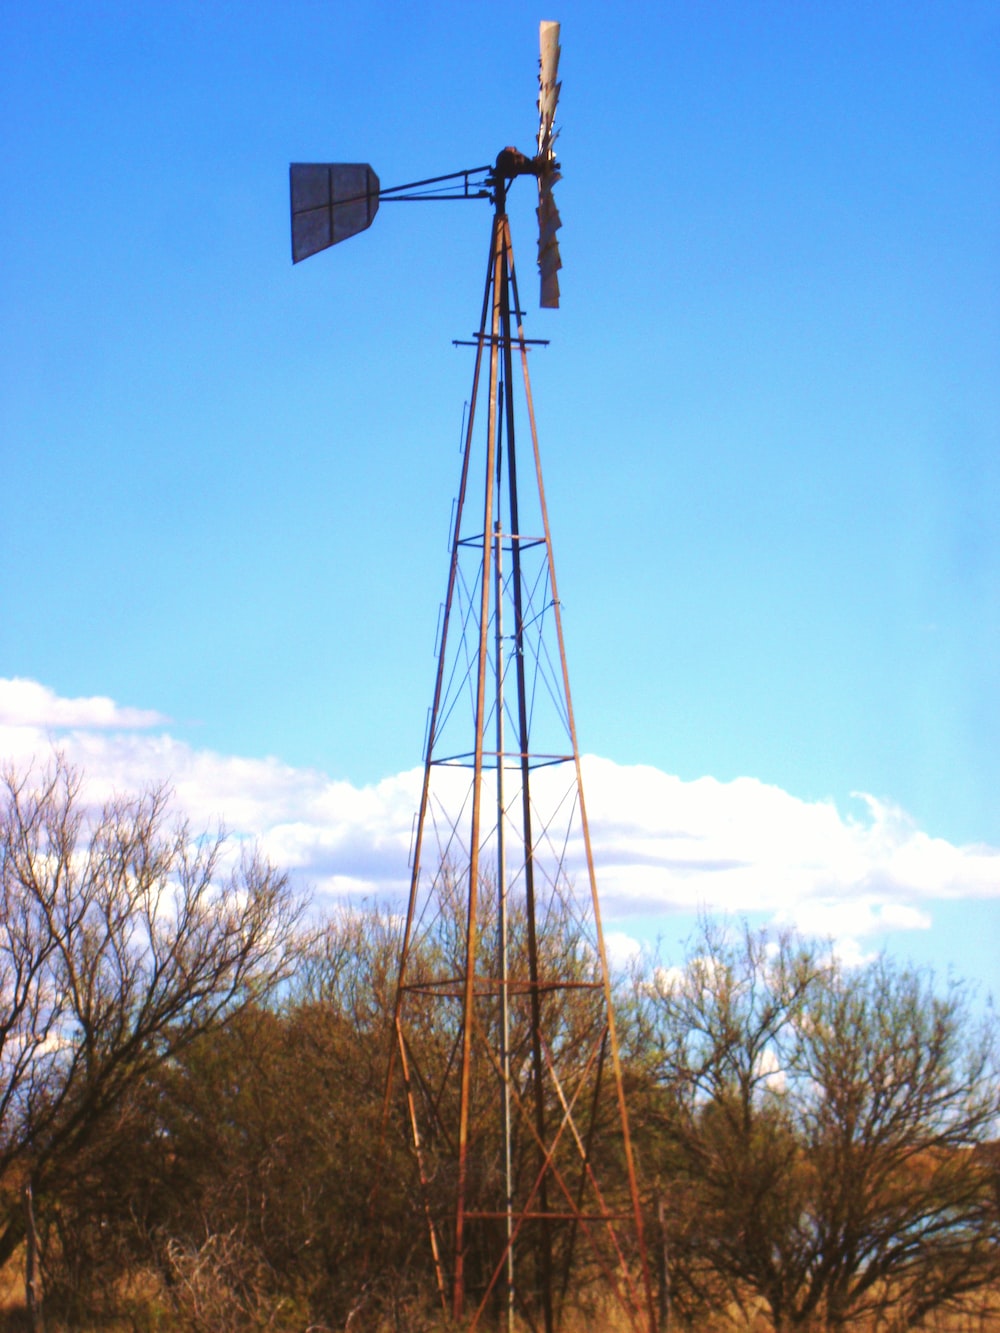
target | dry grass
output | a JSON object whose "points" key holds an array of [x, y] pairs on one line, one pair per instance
{"points": [[149, 1315], [12, 1288]]}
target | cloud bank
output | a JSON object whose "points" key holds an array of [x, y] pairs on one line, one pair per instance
{"points": [[660, 844]]}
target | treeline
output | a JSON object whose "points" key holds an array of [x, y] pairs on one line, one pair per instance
{"points": [[191, 1107]]}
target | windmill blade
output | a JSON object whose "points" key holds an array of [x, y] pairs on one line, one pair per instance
{"points": [[549, 222], [549, 262], [548, 87], [330, 202]]}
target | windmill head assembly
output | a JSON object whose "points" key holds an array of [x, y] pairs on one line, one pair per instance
{"points": [[504, 1075], [332, 201]]}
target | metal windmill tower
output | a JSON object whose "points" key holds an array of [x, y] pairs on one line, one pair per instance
{"points": [[507, 1057]]}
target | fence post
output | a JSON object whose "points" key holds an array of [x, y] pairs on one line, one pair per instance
{"points": [[662, 1264], [32, 1266]]}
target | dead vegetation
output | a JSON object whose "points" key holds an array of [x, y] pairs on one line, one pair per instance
{"points": [[193, 1087]]}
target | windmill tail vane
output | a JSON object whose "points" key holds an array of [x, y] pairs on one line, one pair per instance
{"points": [[506, 1070]]}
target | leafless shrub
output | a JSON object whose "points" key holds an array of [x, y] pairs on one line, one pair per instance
{"points": [[221, 1286]]}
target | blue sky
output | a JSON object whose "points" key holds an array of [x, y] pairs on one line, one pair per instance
{"points": [[769, 415]]}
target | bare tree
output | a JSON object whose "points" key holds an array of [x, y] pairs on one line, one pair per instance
{"points": [[823, 1130], [906, 1094], [122, 939]]}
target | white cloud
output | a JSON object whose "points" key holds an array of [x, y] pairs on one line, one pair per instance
{"points": [[770, 1072], [659, 843], [622, 949], [27, 704], [746, 846]]}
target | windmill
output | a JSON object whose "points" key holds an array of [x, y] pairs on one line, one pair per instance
{"points": [[506, 1065]]}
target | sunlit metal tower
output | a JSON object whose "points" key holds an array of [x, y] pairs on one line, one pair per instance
{"points": [[507, 1057]]}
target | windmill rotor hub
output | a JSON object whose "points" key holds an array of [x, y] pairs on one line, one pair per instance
{"points": [[512, 162]]}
